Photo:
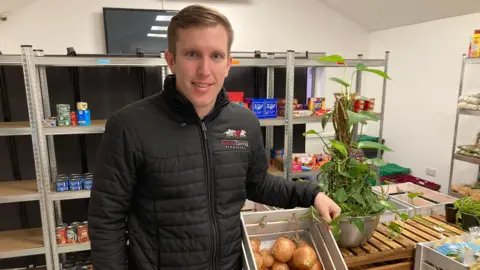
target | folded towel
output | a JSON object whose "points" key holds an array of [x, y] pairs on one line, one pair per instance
{"points": [[470, 100]]}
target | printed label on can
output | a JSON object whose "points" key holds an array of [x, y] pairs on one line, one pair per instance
{"points": [[62, 185], [82, 232], [61, 235], [71, 235]]}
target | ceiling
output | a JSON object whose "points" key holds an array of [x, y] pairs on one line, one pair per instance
{"points": [[7, 6], [374, 15]]}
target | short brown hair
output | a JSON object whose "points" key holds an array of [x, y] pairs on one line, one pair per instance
{"points": [[197, 16]]}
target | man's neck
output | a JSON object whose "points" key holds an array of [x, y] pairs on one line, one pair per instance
{"points": [[204, 111]]}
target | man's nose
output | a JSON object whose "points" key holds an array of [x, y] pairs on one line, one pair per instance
{"points": [[204, 67]]}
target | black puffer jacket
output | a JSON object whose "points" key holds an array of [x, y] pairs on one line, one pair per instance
{"points": [[177, 185]]}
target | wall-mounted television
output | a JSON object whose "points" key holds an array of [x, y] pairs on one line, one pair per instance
{"points": [[127, 30]]}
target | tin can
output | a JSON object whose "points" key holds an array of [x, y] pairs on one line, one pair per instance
{"points": [[83, 117], [82, 106], [61, 235], [71, 234], [63, 109], [79, 177], [75, 184], [61, 185], [87, 183], [73, 118], [75, 223], [82, 233]]}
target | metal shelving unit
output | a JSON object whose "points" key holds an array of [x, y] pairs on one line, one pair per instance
{"points": [[34, 64], [31, 241], [461, 112]]}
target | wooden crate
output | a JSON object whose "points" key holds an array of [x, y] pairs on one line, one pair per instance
{"points": [[382, 253]]}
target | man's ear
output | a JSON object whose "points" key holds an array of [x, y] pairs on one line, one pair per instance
{"points": [[170, 58], [229, 64]]}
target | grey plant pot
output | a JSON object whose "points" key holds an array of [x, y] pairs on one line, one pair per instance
{"points": [[351, 237]]}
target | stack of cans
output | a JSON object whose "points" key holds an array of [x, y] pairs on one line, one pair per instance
{"points": [[63, 115], [74, 182]]}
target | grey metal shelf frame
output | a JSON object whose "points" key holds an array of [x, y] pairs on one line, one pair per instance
{"points": [[454, 156], [33, 241], [37, 91]]}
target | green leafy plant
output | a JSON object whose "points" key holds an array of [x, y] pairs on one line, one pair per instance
{"points": [[346, 178], [468, 206]]}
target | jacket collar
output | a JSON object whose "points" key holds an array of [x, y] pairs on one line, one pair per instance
{"points": [[182, 109]]}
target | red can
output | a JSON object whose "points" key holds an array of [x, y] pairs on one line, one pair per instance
{"points": [[71, 235], [82, 231], [73, 118], [61, 235]]}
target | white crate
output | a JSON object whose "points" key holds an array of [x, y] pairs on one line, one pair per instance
{"points": [[431, 202], [427, 258], [268, 226]]}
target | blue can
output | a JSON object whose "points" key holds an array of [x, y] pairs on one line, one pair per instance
{"points": [[61, 185], [87, 184], [75, 184], [83, 117], [79, 177]]}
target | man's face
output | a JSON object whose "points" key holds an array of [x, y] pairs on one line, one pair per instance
{"points": [[201, 64]]}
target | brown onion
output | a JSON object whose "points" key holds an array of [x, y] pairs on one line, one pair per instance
{"points": [[316, 266], [268, 259], [304, 257], [283, 249], [255, 244], [280, 266], [258, 260]]}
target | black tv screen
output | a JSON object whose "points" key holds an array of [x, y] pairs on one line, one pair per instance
{"points": [[127, 30]]}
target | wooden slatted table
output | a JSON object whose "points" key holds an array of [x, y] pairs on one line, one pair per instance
{"points": [[384, 253]]}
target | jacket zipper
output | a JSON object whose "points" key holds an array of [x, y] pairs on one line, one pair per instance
{"points": [[210, 193]]}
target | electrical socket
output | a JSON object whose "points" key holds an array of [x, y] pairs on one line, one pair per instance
{"points": [[431, 172]]}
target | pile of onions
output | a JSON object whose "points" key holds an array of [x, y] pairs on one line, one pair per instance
{"points": [[285, 255]]}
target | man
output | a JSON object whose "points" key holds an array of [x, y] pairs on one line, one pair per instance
{"points": [[167, 172]]}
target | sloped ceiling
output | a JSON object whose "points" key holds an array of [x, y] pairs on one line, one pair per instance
{"points": [[374, 15]]}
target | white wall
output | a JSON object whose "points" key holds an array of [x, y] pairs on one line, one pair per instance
{"points": [[267, 25], [275, 25], [425, 66]]}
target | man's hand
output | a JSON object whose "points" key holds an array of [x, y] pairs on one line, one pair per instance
{"points": [[326, 207]]}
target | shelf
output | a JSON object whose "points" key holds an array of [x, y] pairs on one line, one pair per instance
{"points": [[21, 243], [15, 128], [275, 171], [18, 191], [82, 61], [10, 60], [97, 126], [467, 159], [69, 195], [73, 247], [469, 112], [456, 194]]}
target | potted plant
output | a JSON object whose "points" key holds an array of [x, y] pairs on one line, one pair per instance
{"points": [[468, 211], [346, 178]]}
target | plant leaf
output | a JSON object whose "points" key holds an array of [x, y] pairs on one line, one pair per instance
{"points": [[311, 132], [404, 217], [374, 145], [327, 165], [412, 195], [340, 81], [371, 115], [355, 118], [325, 119], [359, 223], [336, 231], [353, 162], [359, 199], [395, 227], [335, 221], [378, 162], [362, 67], [387, 205], [340, 146], [335, 58], [377, 207], [340, 195], [346, 174]]}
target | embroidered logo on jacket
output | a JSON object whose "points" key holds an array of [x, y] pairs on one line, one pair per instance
{"points": [[235, 139]]}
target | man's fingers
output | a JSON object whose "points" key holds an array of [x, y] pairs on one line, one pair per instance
{"points": [[336, 211], [325, 213]]}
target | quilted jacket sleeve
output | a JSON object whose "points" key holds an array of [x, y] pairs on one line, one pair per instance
{"points": [[110, 197], [265, 188]]}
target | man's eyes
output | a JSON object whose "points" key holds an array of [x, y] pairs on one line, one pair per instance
{"points": [[192, 54]]}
